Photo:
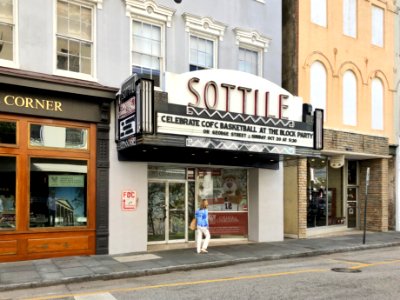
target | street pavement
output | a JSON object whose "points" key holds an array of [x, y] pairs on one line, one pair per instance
{"points": [[54, 271]]}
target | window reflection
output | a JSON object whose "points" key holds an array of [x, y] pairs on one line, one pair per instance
{"points": [[317, 192], [7, 192], [58, 193], [8, 132], [60, 137]]}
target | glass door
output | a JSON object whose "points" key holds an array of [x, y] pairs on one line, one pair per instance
{"points": [[156, 211], [176, 211], [352, 194], [352, 207], [166, 211]]}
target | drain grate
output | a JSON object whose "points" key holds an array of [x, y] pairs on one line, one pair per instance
{"points": [[346, 270]]}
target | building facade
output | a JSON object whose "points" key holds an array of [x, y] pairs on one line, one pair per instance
{"points": [[339, 56], [187, 140], [72, 182], [54, 130], [118, 117]]}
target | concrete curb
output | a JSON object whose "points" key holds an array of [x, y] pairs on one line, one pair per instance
{"points": [[188, 267]]}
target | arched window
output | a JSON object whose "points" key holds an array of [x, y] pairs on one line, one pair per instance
{"points": [[318, 85], [349, 98], [377, 104]]}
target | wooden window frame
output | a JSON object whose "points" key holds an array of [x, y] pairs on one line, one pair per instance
{"points": [[24, 153]]}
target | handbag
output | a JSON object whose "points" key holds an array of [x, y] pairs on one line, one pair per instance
{"points": [[193, 224]]}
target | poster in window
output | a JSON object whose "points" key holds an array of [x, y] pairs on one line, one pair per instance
{"points": [[68, 192]]}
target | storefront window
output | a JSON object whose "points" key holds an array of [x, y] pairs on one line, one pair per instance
{"points": [[325, 205], [59, 137], [58, 192], [8, 132], [226, 192], [317, 192], [191, 206], [7, 192]]}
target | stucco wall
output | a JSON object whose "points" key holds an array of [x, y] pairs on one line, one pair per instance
{"points": [[340, 53], [266, 206], [127, 229]]}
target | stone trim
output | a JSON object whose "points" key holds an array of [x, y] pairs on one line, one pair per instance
{"points": [[149, 9], [251, 39], [206, 26]]}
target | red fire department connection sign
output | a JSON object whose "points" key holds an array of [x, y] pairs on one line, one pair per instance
{"points": [[128, 200]]}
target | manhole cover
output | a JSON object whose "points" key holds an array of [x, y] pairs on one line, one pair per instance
{"points": [[346, 270]]}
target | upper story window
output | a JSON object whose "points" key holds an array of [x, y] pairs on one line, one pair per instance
{"points": [[252, 46], [201, 53], [318, 90], [204, 36], [377, 26], [7, 32], [349, 101], [377, 104], [248, 61], [75, 38], [350, 18], [149, 21], [147, 51], [318, 12]]}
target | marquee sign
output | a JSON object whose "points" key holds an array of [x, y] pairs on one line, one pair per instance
{"points": [[266, 133], [219, 109], [234, 92]]}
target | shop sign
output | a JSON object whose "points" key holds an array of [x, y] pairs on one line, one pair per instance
{"points": [[134, 108], [233, 91], [237, 106], [38, 104], [129, 200], [233, 223]]}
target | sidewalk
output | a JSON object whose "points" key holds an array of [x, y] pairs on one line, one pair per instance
{"points": [[45, 272]]}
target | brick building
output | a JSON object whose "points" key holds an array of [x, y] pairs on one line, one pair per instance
{"points": [[332, 57]]}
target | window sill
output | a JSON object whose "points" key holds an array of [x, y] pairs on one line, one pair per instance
{"points": [[9, 64], [75, 75]]}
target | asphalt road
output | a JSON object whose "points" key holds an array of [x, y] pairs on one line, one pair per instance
{"points": [[371, 274]]}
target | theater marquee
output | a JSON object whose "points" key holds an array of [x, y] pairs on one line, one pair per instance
{"points": [[218, 109]]}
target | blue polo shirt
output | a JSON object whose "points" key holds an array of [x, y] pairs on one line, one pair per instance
{"points": [[202, 217]]}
